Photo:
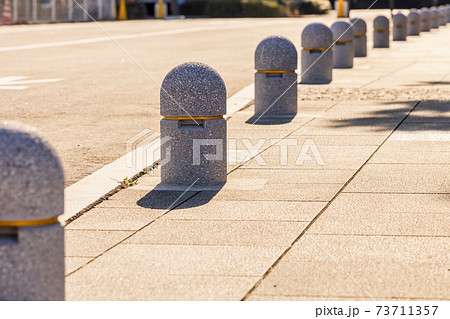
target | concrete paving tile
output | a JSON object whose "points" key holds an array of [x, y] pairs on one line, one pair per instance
{"points": [[224, 233], [351, 126], [91, 243], [73, 263], [386, 267], [382, 281], [157, 200], [337, 140], [388, 155], [401, 178], [364, 109], [416, 146], [110, 218], [280, 192], [390, 203], [164, 288], [248, 210], [295, 176], [374, 222], [327, 151]]}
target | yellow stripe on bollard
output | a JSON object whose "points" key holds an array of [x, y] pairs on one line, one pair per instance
{"points": [[122, 11], [178, 118], [381, 29], [315, 49], [160, 13], [359, 34], [275, 71], [344, 41], [29, 223], [341, 13]]}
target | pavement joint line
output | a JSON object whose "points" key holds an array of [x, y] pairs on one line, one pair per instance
{"points": [[171, 206], [305, 229], [378, 235]]}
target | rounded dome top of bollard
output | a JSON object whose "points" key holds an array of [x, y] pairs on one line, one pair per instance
{"points": [[193, 90], [434, 13], [342, 31], [413, 16], [31, 175], [399, 19], [317, 35], [275, 53], [381, 22], [359, 26], [424, 14]]}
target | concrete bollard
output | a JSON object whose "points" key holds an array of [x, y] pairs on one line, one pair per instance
{"points": [[448, 13], [360, 37], [32, 198], [317, 56], [442, 15], [424, 20], [434, 18], [381, 32], [399, 30], [413, 23], [275, 63], [343, 48], [193, 130]]}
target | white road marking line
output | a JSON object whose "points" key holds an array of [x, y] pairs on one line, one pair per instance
{"points": [[140, 35], [89, 189], [10, 82]]}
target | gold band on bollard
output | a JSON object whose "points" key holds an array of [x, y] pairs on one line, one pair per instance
{"points": [[315, 49], [359, 34], [28, 223], [344, 41], [275, 71], [177, 118], [381, 29]]}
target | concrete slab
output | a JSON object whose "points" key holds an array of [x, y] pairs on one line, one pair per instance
{"points": [[249, 211], [108, 218], [219, 233], [91, 243], [401, 178], [73, 263]]}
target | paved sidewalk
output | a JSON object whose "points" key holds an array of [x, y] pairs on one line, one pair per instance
{"points": [[372, 223]]}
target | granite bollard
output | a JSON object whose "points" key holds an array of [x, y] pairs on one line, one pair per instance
{"points": [[425, 20], [193, 103], [360, 37], [399, 30], [442, 15], [343, 48], [317, 55], [32, 198], [413, 23], [434, 18], [275, 78], [381, 32]]}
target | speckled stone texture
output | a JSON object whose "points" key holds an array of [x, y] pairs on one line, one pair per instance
{"points": [[413, 23], [399, 30], [193, 89], [360, 37], [434, 18], [203, 93], [275, 53], [32, 265], [275, 93], [31, 175], [317, 66], [269, 97], [31, 188], [179, 168], [442, 15], [381, 32], [425, 24], [343, 48]]}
